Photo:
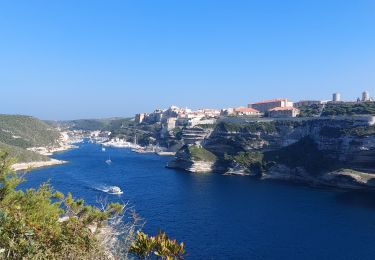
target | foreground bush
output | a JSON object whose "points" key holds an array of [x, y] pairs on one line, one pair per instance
{"points": [[45, 224], [160, 246]]}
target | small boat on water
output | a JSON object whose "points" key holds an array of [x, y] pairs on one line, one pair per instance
{"points": [[114, 190], [363, 148], [103, 149], [109, 161]]}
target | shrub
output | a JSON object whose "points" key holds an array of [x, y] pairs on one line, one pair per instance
{"points": [[246, 159], [160, 246], [310, 110], [45, 224]]}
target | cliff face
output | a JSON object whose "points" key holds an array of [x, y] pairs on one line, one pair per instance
{"points": [[344, 141], [303, 149]]}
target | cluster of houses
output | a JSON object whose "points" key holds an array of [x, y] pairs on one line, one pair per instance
{"points": [[178, 117], [276, 108]]}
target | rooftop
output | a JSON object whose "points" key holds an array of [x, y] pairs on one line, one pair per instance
{"points": [[271, 100], [245, 109]]}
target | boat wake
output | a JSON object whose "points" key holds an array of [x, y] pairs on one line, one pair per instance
{"points": [[114, 190]]}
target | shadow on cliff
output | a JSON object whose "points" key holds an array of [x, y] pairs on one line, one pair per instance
{"points": [[361, 199]]}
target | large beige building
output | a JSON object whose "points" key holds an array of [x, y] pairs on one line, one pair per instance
{"points": [[266, 105]]}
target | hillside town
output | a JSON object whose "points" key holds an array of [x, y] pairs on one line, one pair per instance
{"points": [[275, 108]]}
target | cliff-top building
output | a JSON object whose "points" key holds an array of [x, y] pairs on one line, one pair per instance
{"points": [[366, 96], [266, 105], [336, 97]]}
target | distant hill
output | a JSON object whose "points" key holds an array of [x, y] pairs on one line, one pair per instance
{"points": [[26, 131], [19, 132], [92, 124]]}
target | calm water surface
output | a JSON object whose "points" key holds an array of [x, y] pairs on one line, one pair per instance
{"points": [[223, 217]]}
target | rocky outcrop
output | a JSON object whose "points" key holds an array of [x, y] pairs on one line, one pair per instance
{"points": [[192, 166], [194, 158], [33, 165]]}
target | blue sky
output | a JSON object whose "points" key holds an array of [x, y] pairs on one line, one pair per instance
{"points": [[85, 59]]}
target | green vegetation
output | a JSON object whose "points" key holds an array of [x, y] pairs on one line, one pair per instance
{"points": [[268, 127], [301, 154], [310, 110], [20, 132], [93, 124], [246, 159], [177, 131], [89, 124], [342, 109], [304, 153], [250, 160], [359, 131], [229, 127], [331, 132], [21, 154], [198, 153], [45, 224], [362, 131], [30, 221], [159, 246], [26, 131], [206, 126], [289, 123]]}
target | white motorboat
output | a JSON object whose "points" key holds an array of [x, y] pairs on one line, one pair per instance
{"points": [[114, 190]]}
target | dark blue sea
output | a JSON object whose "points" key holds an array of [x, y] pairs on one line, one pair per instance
{"points": [[222, 217]]}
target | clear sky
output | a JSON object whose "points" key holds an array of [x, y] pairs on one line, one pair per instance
{"points": [[85, 59]]}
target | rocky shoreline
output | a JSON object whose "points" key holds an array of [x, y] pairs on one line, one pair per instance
{"points": [[344, 178], [65, 143], [33, 165]]}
